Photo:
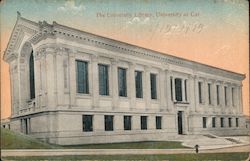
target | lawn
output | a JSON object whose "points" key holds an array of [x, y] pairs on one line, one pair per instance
{"points": [[170, 157], [14, 140]]}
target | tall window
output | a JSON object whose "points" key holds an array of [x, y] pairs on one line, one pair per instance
{"points": [[221, 122], [127, 122], [103, 80], [230, 122], [109, 122], [185, 86], [200, 91], [209, 93], [225, 95], [144, 123], [171, 87], [82, 77], [218, 94], [32, 76], [204, 122], [213, 122], [178, 89], [87, 123], [158, 122], [233, 96], [153, 86], [237, 122], [138, 84], [122, 82]]}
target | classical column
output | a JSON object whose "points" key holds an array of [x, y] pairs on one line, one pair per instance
{"points": [[205, 93], [213, 94], [114, 82], [72, 78], [240, 99], [147, 87], [131, 85], [55, 57], [95, 84], [229, 94], [168, 90], [222, 94], [51, 89], [163, 90], [196, 97]]}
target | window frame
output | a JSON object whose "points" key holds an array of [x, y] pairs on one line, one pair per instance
{"points": [[109, 122], [138, 85], [85, 78], [127, 122], [158, 122], [153, 85], [122, 84], [178, 89], [87, 128], [103, 69], [144, 122]]}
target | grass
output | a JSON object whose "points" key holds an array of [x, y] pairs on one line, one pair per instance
{"points": [[169, 157], [132, 145], [14, 140]]}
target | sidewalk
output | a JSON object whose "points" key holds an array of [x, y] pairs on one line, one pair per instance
{"points": [[60, 152]]}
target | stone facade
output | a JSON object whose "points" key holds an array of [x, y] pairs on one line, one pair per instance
{"points": [[56, 113]]}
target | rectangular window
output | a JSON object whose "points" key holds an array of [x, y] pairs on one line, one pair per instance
{"points": [[138, 84], [185, 87], [225, 95], [127, 122], [82, 77], [209, 93], [178, 89], [103, 79], [213, 122], [158, 122], [230, 122], [144, 123], [204, 122], [200, 91], [122, 82], [109, 122], [233, 97], [237, 122], [153, 86], [87, 123], [171, 87], [221, 122], [218, 94]]}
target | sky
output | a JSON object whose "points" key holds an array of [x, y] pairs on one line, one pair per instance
{"points": [[213, 32]]}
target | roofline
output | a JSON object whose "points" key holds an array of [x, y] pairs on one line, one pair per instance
{"points": [[151, 50], [55, 24]]}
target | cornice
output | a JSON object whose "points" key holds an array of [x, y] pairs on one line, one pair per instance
{"points": [[56, 30]]}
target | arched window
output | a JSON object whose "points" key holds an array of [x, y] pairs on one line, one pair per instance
{"points": [[32, 76]]}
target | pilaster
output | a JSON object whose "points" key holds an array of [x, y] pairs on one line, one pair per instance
{"points": [[131, 85], [147, 87], [95, 84], [114, 82]]}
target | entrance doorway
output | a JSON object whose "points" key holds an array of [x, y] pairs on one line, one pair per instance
{"points": [[180, 122]]}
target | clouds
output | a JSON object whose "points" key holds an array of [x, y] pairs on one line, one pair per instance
{"points": [[71, 7]]}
